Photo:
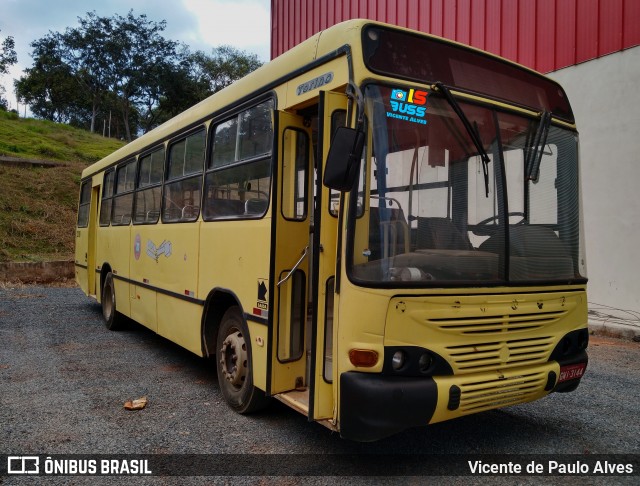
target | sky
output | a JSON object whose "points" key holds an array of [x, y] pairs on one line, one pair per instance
{"points": [[200, 24]]}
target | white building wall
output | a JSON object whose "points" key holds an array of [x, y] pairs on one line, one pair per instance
{"points": [[605, 95]]}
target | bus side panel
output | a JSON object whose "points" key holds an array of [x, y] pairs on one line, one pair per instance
{"points": [[234, 255], [146, 265], [115, 250], [175, 248], [179, 321], [259, 334], [144, 306]]}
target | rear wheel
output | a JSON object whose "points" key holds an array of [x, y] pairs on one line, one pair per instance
{"points": [[112, 318], [233, 358]]}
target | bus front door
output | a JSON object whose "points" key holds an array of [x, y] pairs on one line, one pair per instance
{"points": [[306, 245], [291, 215], [332, 114]]}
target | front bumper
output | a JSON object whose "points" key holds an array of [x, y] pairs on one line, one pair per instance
{"points": [[374, 406]]}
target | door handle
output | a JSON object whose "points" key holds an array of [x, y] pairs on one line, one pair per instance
{"points": [[295, 267]]}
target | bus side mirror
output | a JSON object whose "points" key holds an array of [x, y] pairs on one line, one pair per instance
{"points": [[343, 161]]}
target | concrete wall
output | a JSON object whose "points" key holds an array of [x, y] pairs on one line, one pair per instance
{"points": [[38, 272], [605, 95]]}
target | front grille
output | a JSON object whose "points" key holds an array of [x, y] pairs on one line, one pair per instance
{"points": [[493, 324], [478, 357], [486, 333], [485, 395]]}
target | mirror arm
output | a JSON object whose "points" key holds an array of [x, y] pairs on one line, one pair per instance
{"points": [[354, 93]]}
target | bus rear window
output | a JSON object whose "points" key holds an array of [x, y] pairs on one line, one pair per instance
{"points": [[428, 60], [85, 202]]}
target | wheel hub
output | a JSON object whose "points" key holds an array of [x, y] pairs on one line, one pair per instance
{"points": [[107, 306], [233, 359]]}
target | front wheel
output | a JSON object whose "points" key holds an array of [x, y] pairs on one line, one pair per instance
{"points": [[233, 358], [112, 318]]}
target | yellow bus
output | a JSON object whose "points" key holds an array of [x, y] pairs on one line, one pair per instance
{"points": [[380, 228]]}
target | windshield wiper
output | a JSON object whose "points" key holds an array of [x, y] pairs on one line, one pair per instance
{"points": [[540, 140], [473, 134]]}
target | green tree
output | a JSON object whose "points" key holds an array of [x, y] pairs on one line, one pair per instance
{"points": [[50, 86], [199, 75], [123, 56], [115, 62], [123, 65], [225, 65], [138, 55], [8, 58], [55, 88], [85, 51]]}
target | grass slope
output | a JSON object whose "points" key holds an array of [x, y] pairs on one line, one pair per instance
{"points": [[38, 205]]}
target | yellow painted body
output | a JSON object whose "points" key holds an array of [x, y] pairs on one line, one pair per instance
{"points": [[168, 291], [509, 334]]}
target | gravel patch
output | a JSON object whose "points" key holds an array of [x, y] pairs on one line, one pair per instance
{"points": [[64, 380]]}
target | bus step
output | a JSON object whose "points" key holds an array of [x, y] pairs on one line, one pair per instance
{"points": [[296, 399]]}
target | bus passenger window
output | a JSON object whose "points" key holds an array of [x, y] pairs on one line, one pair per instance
{"points": [[238, 180], [149, 191], [123, 199], [238, 192], [295, 166], [224, 141], [107, 196], [182, 189]]}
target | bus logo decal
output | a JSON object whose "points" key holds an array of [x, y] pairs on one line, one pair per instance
{"points": [[315, 83], [137, 246], [408, 105], [163, 249], [262, 305]]}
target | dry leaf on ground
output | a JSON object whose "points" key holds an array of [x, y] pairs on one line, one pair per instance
{"points": [[137, 404]]}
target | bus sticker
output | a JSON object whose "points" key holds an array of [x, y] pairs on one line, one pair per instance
{"points": [[163, 249], [137, 246], [408, 105], [262, 303]]}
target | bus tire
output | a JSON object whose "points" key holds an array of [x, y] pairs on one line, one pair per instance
{"points": [[112, 318], [234, 365]]}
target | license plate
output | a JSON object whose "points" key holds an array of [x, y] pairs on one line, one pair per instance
{"points": [[571, 372]]}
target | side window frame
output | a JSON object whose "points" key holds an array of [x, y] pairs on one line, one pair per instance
{"points": [[130, 169], [191, 211], [294, 181], [230, 191], [151, 216], [107, 196], [84, 204]]}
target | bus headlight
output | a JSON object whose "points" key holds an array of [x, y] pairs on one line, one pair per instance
{"points": [[414, 361], [398, 360], [571, 344], [424, 363]]}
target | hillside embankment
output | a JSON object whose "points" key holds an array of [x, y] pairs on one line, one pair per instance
{"points": [[40, 167]]}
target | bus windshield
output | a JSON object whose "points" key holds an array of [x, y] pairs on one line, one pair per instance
{"points": [[434, 209]]}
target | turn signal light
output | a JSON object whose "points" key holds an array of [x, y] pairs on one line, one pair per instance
{"points": [[364, 358]]}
